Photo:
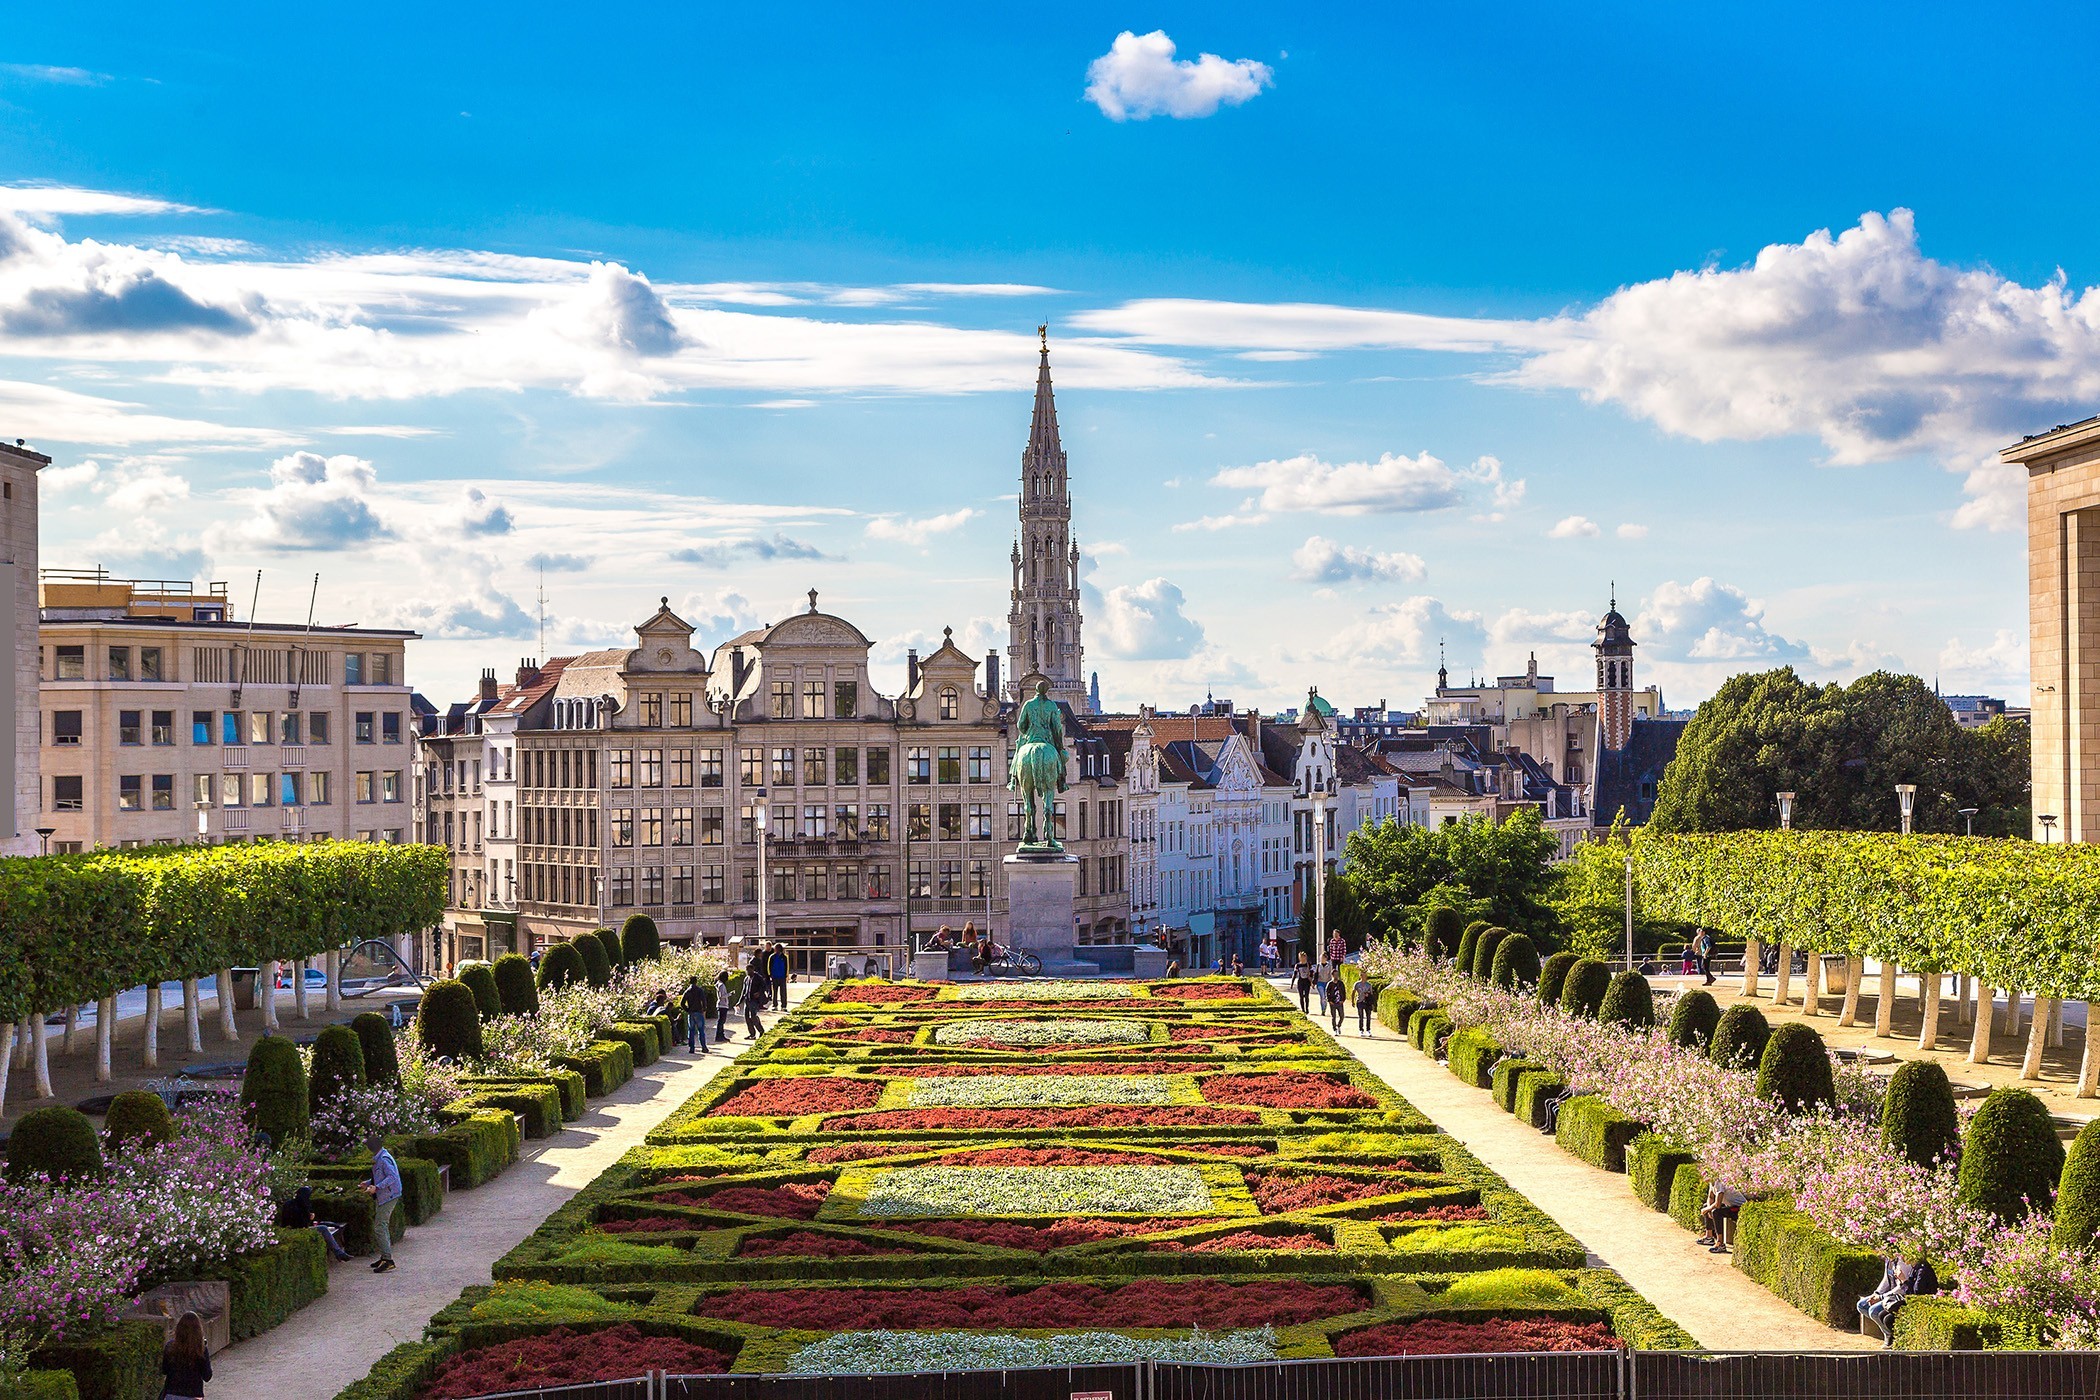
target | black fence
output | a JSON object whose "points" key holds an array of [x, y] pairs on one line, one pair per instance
{"points": [[1649, 1375]]}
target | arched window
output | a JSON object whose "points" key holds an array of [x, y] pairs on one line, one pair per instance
{"points": [[951, 703]]}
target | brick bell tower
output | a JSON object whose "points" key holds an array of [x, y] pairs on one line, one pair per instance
{"points": [[1614, 648]]}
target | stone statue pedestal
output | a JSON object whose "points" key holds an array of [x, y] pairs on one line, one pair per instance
{"points": [[1041, 893]]}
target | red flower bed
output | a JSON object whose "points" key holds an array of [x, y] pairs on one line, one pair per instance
{"points": [[1277, 1192], [896, 1120], [807, 1244], [568, 1356], [879, 996], [1445, 1337], [1241, 1240], [791, 1098], [1446, 1214], [1230, 1149], [1006, 1235], [1050, 1157], [1201, 991], [874, 1035], [857, 1152], [798, 1200], [1285, 1090], [1064, 1306], [649, 1224]]}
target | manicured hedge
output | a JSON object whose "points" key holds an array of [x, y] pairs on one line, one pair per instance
{"points": [[1596, 1132], [403, 1372], [1502, 1081], [1941, 1324], [561, 966], [538, 1104], [1553, 976], [2012, 1158], [45, 1385], [339, 1066], [120, 1364], [375, 1037], [1740, 1039], [567, 1083], [515, 989], [422, 1190], [1483, 964], [1516, 963], [268, 1286], [1628, 1002], [1918, 1117], [1534, 1092], [597, 966], [1468, 941], [480, 979], [273, 1089], [1425, 1026], [1783, 1250], [54, 1141], [135, 1115], [1442, 931], [1472, 1056], [640, 1039], [348, 1206], [1694, 1016], [615, 952], [1652, 1165], [476, 1149], [448, 1022], [639, 939], [2078, 1192], [605, 1065], [1688, 1196], [1583, 993], [1395, 1006], [1795, 1069]]}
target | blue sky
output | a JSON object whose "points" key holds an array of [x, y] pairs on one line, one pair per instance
{"points": [[1370, 328]]}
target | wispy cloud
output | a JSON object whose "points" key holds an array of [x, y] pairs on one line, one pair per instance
{"points": [[56, 73]]}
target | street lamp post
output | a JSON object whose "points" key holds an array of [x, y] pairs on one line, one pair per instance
{"points": [[1629, 913], [1906, 797], [1968, 820], [761, 819], [2048, 825], [44, 834], [1786, 811], [1319, 814]]}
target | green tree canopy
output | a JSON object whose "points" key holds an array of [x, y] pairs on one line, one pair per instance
{"points": [[1495, 869]]}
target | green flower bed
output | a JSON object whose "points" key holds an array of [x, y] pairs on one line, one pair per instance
{"points": [[1043, 1032]]}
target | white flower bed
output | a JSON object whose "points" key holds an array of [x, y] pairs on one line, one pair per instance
{"points": [[1044, 989], [1042, 1033], [910, 1353], [969, 1191], [1040, 1090]]}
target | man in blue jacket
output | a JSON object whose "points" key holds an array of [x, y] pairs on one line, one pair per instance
{"points": [[385, 1190], [777, 969]]}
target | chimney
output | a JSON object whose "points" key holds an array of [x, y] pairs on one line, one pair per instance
{"points": [[737, 671], [488, 683], [528, 671], [911, 670], [991, 674]]}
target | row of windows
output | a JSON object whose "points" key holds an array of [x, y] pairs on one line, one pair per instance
{"points": [[843, 695], [137, 792], [232, 728], [809, 765], [217, 666]]}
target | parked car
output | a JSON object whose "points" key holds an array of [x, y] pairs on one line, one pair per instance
{"points": [[316, 979]]}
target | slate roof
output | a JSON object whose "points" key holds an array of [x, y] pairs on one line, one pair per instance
{"points": [[1629, 777]]}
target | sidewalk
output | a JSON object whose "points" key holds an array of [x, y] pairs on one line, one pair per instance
{"points": [[326, 1346], [1701, 1292]]}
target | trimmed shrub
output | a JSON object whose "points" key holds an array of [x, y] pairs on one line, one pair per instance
{"points": [[640, 1037], [375, 1038], [47, 1385], [1918, 1120], [1503, 1079], [422, 1191], [448, 1023], [1426, 1026], [120, 1364], [480, 979], [56, 1141], [2078, 1192], [476, 1149], [273, 1090], [1583, 993], [1472, 1056], [1395, 1006], [1596, 1132], [615, 953], [1739, 1040], [137, 1115], [2011, 1157], [1441, 932], [268, 1286], [1688, 1196], [1554, 976], [561, 966], [515, 991], [1468, 941], [339, 1066], [539, 1105], [1784, 1251], [605, 1065], [639, 940], [1516, 963], [1483, 964], [597, 966], [567, 1083], [346, 1204], [1534, 1092], [1795, 1069], [1941, 1324], [1652, 1165], [1693, 1017], [1628, 1002]]}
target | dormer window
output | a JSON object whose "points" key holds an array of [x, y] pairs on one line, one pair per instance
{"points": [[950, 702]]}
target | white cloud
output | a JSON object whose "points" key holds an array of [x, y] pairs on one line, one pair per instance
{"points": [[1145, 622], [1220, 522], [481, 514], [720, 554], [1321, 560], [43, 413], [42, 202], [1574, 527], [1630, 531], [1139, 77], [1708, 621], [897, 529], [55, 73], [1409, 630], [717, 616], [142, 547], [556, 563], [1390, 485], [55, 480], [312, 503], [2000, 663], [1521, 626], [456, 613]]}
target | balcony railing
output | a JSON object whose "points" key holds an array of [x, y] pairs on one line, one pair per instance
{"points": [[292, 756]]}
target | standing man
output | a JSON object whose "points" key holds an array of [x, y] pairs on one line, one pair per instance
{"points": [[385, 1190], [1703, 954], [1337, 949], [1366, 1004], [694, 1003], [1304, 980], [721, 1005], [777, 970], [755, 998]]}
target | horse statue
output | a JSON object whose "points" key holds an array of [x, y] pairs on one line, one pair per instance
{"points": [[1037, 770]]}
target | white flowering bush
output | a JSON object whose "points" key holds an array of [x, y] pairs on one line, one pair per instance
{"points": [[1049, 1032], [1040, 1090], [346, 1123], [426, 1079], [1032, 1191], [914, 1353]]}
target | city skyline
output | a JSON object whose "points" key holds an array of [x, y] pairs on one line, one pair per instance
{"points": [[788, 354]]}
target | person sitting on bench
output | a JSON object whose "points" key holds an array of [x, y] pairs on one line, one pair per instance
{"points": [[1723, 1204]]}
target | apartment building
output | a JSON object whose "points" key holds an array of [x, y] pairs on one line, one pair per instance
{"points": [[21, 739], [165, 719]]}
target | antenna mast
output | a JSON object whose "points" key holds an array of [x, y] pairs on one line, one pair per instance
{"points": [[543, 612]]}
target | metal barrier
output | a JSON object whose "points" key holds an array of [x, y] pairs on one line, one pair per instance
{"points": [[1063, 1383], [1564, 1375], [1886, 1375]]}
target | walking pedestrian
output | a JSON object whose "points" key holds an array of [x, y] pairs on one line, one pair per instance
{"points": [[185, 1362], [721, 1005], [385, 1190], [1334, 1003], [777, 972], [1703, 954], [1303, 980], [694, 1003], [1366, 1005], [755, 1000]]}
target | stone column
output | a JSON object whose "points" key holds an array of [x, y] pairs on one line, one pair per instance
{"points": [[1855, 973], [1929, 1025], [1785, 975], [1752, 951], [192, 1031], [229, 1030], [1885, 999], [1980, 1042], [149, 1039], [2031, 1067]]}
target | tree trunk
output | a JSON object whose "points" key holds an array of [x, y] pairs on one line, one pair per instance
{"points": [[22, 1048], [2056, 1024], [1961, 999], [1929, 1023], [299, 988], [192, 1030], [1752, 951], [2089, 1068], [2031, 1067], [1855, 973], [333, 964], [7, 1059], [228, 1029], [1980, 1042], [2014, 1006], [266, 993], [40, 1056], [149, 1041], [72, 1041], [105, 1038], [1885, 999], [1785, 975]]}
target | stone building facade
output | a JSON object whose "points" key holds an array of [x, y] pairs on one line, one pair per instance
{"points": [[20, 723]]}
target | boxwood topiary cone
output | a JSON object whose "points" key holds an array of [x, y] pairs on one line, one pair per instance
{"points": [[2011, 1159], [639, 940], [1466, 943], [139, 1117], [273, 1090], [1442, 930], [1795, 1069], [448, 1023], [597, 968], [1483, 965], [1693, 1017], [1918, 1120], [615, 955], [1516, 963], [2078, 1193], [1583, 993], [481, 981], [1554, 976], [339, 1066], [57, 1142], [561, 966], [1628, 1002], [514, 985], [1739, 1040], [375, 1040]]}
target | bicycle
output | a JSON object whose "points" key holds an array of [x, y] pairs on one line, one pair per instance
{"points": [[1018, 961]]}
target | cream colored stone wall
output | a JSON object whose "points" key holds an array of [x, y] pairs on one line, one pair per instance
{"points": [[2063, 581], [18, 556]]}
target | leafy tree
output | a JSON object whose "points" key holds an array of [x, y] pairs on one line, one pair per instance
{"points": [[1345, 915], [1400, 873]]}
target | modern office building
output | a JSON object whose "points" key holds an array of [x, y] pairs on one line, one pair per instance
{"points": [[20, 727]]}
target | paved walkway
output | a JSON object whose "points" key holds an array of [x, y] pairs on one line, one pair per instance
{"points": [[335, 1340], [1703, 1293]]}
